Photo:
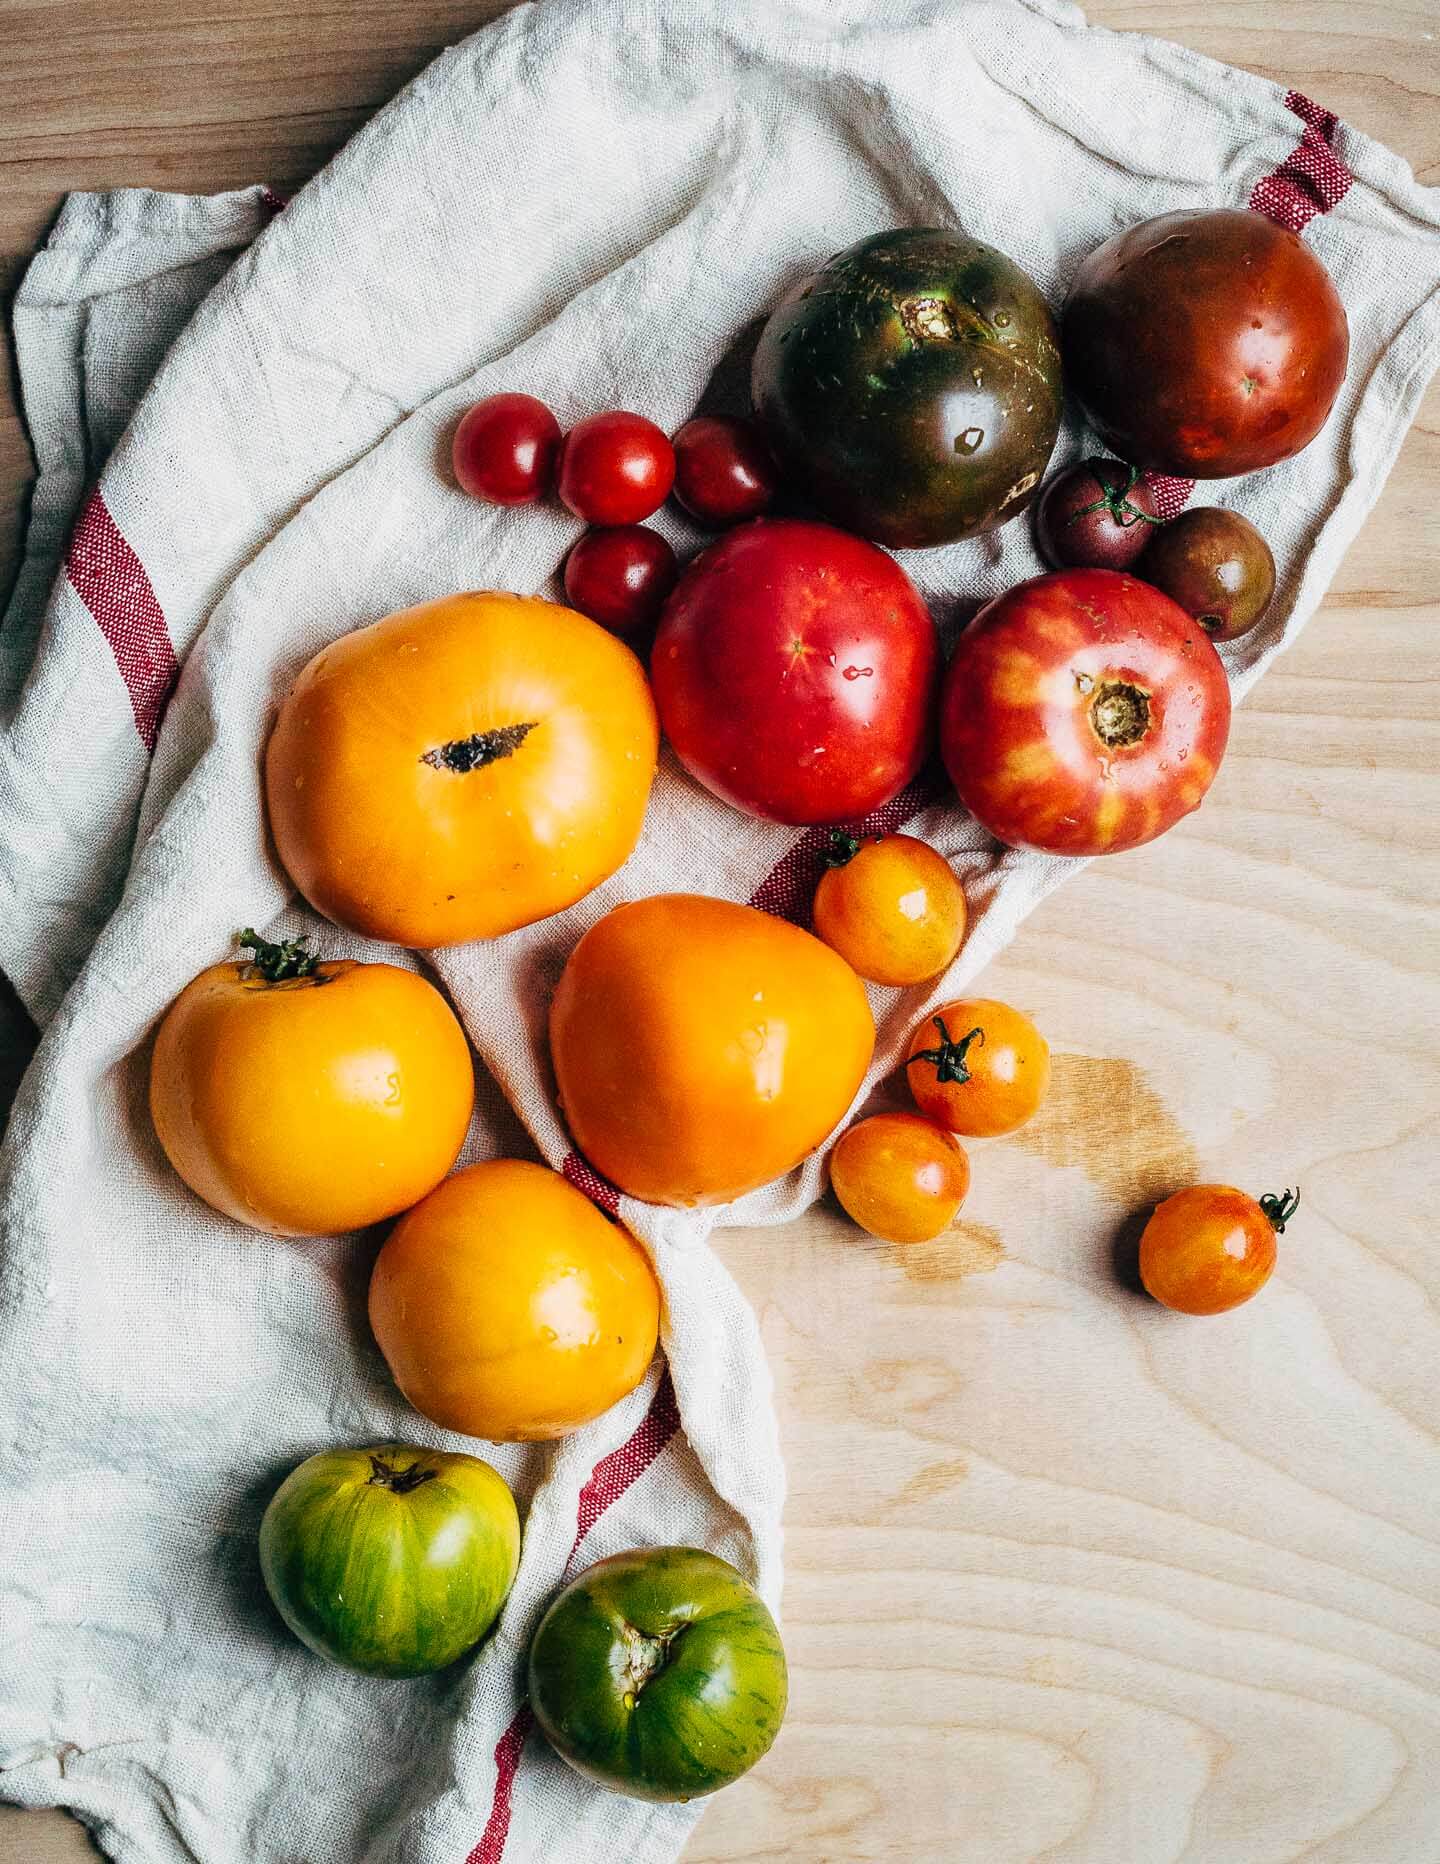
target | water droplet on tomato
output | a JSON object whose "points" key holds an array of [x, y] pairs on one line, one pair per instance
{"points": [[858, 673]]}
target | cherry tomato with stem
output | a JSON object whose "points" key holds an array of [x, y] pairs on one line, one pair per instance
{"points": [[620, 577], [900, 1177], [1097, 515], [615, 468], [978, 1067], [505, 448], [890, 906], [724, 471], [1210, 1247]]}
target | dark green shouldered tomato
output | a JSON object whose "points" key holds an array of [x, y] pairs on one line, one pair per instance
{"points": [[659, 1673], [392, 1560], [911, 387]]}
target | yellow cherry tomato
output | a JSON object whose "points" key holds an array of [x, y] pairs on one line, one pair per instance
{"points": [[900, 1177], [978, 1067], [507, 1306], [1210, 1247], [304, 1096], [891, 907]]}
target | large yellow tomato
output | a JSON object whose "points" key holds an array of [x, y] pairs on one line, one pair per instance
{"points": [[508, 1307], [305, 1097], [461, 768], [703, 1048]]}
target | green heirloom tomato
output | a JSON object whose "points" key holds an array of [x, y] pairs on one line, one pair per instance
{"points": [[911, 387], [391, 1560], [660, 1673]]}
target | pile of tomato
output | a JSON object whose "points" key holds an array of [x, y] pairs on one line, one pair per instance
{"points": [[484, 761]]}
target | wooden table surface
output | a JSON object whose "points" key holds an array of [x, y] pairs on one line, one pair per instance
{"points": [[1067, 1577]]}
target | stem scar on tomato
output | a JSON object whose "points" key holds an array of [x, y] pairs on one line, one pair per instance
{"points": [[645, 1656], [949, 1057], [400, 1481], [1119, 713], [479, 749], [1280, 1209]]}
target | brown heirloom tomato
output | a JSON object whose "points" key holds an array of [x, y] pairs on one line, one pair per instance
{"points": [[703, 1048], [978, 1067], [1082, 713], [1217, 566], [1205, 344], [1210, 1247]]}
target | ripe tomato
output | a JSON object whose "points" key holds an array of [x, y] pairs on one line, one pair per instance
{"points": [[1082, 713], [508, 1307], [615, 468], [891, 907], [723, 470], [978, 1067], [1210, 1247], [505, 448], [1097, 515], [306, 1097], [1205, 344], [620, 577], [660, 1673], [391, 1560], [461, 768], [703, 1048], [900, 1177], [1217, 566], [794, 670]]}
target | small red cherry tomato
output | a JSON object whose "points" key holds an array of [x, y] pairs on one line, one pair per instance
{"points": [[620, 577], [723, 470], [504, 450], [615, 468], [1097, 515], [1211, 1247], [900, 1177]]}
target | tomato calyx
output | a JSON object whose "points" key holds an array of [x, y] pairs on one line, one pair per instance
{"points": [[949, 1057], [842, 849], [387, 1475], [646, 1654], [1280, 1209], [1119, 713], [479, 749], [1117, 501], [278, 963]]}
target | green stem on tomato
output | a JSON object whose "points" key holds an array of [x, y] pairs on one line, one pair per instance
{"points": [[1116, 500], [277, 963], [949, 1057], [843, 848], [1280, 1209]]}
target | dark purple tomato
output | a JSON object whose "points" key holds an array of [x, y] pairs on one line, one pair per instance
{"points": [[1217, 566], [723, 470], [1205, 344], [615, 468], [620, 577], [504, 450], [1095, 516]]}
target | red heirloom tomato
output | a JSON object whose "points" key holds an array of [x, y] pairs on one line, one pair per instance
{"points": [[504, 449], [1082, 713], [620, 577], [1210, 1247], [1205, 343], [723, 470], [615, 468], [794, 671]]}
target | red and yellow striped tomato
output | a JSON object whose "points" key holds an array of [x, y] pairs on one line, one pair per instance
{"points": [[1083, 713]]}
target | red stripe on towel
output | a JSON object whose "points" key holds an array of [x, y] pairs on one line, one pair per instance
{"points": [[110, 580]]}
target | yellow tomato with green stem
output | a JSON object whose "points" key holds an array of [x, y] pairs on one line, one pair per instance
{"points": [[891, 906]]}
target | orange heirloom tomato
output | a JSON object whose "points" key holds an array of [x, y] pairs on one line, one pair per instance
{"points": [[703, 1048], [891, 907], [461, 768], [978, 1067], [900, 1177], [1211, 1247], [305, 1096], [508, 1307]]}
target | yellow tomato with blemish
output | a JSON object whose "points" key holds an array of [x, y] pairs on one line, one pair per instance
{"points": [[891, 907]]}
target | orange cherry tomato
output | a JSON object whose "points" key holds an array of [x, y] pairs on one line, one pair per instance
{"points": [[461, 768], [891, 907], [1211, 1247], [978, 1067], [900, 1177], [508, 1307], [306, 1096], [703, 1048]]}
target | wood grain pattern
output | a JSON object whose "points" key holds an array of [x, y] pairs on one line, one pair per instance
{"points": [[1069, 1577]]}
